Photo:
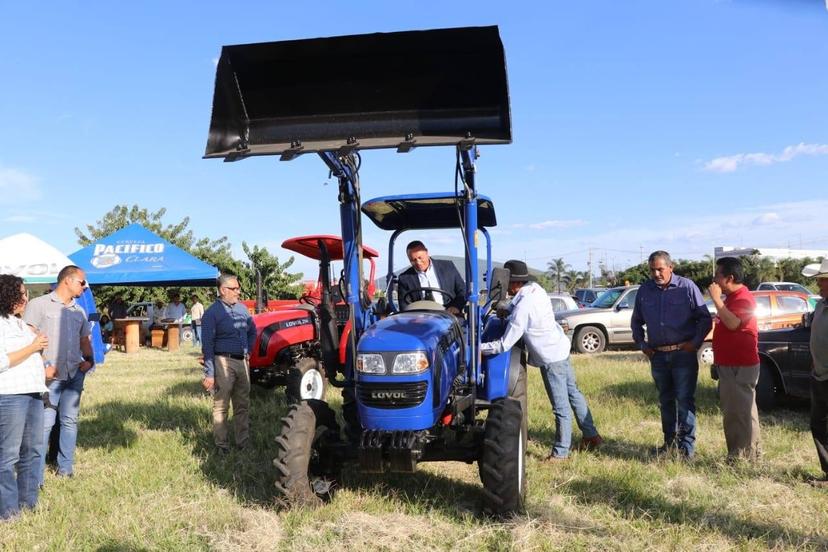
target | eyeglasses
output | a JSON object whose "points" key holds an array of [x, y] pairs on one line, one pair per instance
{"points": [[232, 288], [81, 282]]}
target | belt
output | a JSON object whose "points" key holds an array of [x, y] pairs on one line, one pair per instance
{"points": [[668, 348], [234, 356]]}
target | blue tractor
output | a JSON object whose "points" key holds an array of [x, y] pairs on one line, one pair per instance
{"points": [[415, 387]]}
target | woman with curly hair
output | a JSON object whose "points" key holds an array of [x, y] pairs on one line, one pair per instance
{"points": [[22, 384]]}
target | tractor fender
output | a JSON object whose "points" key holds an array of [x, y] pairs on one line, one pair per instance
{"points": [[343, 343], [497, 369]]}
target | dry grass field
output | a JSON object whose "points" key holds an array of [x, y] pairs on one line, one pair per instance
{"points": [[147, 479]]}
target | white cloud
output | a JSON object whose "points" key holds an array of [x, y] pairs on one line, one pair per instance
{"points": [[731, 163], [17, 216], [18, 186], [551, 224], [766, 218], [20, 218], [797, 225]]}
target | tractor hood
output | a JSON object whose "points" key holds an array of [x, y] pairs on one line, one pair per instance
{"points": [[384, 90], [407, 331]]}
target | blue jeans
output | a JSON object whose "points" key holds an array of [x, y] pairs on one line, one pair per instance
{"points": [[64, 397], [675, 375], [196, 333], [559, 380], [21, 433]]}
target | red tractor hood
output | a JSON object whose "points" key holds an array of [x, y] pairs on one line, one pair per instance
{"points": [[277, 330]]}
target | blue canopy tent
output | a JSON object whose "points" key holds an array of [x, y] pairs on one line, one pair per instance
{"points": [[135, 256]]}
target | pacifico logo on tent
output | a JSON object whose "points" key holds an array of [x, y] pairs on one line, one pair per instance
{"points": [[105, 256]]}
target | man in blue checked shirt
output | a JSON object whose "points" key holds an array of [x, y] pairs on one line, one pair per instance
{"points": [[677, 320], [227, 335]]}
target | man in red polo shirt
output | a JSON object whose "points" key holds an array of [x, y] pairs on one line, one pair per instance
{"points": [[735, 352]]}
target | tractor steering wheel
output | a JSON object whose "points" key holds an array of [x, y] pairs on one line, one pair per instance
{"points": [[421, 292]]}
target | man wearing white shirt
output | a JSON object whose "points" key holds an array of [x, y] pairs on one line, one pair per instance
{"points": [[532, 318], [175, 312], [428, 275]]}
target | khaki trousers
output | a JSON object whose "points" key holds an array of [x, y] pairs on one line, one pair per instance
{"points": [[232, 385], [737, 396]]}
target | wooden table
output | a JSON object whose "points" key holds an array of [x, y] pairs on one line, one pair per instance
{"points": [[128, 333]]}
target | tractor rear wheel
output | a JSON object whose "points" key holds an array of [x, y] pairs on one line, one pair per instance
{"points": [[502, 463], [306, 381], [519, 393], [305, 474]]}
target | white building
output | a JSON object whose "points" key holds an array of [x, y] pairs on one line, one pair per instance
{"points": [[775, 254]]}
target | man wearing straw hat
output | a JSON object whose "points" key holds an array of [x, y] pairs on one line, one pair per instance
{"points": [[819, 377]]}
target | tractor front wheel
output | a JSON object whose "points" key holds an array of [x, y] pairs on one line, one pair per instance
{"points": [[502, 463], [305, 473], [306, 381]]}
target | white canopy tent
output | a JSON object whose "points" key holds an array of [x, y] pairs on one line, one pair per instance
{"points": [[31, 258]]}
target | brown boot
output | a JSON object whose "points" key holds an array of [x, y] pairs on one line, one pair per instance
{"points": [[591, 443]]}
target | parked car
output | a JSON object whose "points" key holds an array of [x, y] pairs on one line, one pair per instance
{"points": [[586, 296], [774, 310], [606, 322], [783, 286], [562, 302], [790, 286]]}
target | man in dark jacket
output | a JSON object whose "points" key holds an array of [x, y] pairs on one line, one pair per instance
{"points": [[227, 336], [431, 275]]}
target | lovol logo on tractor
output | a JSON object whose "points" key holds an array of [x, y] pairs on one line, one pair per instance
{"points": [[388, 394]]}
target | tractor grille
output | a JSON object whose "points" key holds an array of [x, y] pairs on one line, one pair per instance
{"points": [[394, 395]]}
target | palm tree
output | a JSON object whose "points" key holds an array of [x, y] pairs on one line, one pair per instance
{"points": [[573, 279], [557, 268]]}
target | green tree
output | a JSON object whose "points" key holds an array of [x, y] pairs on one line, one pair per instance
{"points": [[277, 282], [634, 275], [758, 269], [698, 271], [557, 270]]}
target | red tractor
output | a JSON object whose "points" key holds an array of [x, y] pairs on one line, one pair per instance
{"points": [[288, 347]]}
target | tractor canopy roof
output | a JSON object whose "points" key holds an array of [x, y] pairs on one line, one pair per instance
{"points": [[425, 211], [383, 90], [309, 247]]}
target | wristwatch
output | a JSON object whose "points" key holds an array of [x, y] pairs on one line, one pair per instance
{"points": [[89, 358]]}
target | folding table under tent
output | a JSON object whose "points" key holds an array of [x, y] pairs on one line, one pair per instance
{"points": [[134, 256], [38, 263]]}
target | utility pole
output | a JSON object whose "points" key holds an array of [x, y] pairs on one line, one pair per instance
{"points": [[589, 266]]}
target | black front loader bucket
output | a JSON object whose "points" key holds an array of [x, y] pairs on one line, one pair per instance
{"points": [[386, 90]]}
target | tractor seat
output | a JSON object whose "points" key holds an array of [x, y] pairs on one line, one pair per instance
{"points": [[424, 304]]}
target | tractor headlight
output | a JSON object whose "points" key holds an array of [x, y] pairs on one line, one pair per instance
{"points": [[410, 363], [370, 363]]}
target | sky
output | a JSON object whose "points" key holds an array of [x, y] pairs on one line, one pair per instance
{"points": [[636, 125]]}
